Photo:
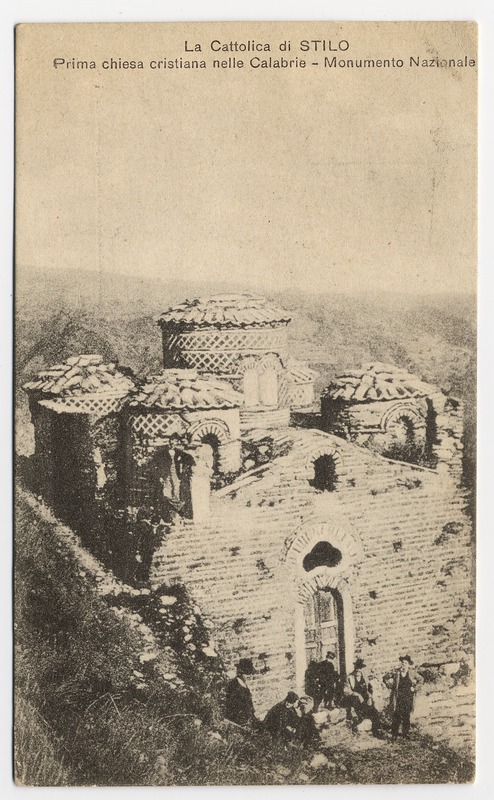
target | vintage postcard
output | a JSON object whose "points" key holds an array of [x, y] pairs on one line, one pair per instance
{"points": [[245, 390]]}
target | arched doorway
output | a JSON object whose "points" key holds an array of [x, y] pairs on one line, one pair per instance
{"points": [[324, 627], [320, 555]]}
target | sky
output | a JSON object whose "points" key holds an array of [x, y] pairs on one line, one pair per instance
{"points": [[316, 178]]}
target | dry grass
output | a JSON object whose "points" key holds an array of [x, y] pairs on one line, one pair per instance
{"points": [[39, 755], [82, 718], [81, 715]]}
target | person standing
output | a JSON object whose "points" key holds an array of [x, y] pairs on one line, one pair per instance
{"points": [[312, 681], [403, 687], [150, 529], [358, 697], [239, 707], [329, 679]]}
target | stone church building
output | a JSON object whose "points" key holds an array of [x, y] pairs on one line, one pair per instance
{"points": [[292, 540]]}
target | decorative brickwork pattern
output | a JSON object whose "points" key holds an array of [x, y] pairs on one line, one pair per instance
{"points": [[399, 411], [315, 518], [156, 426], [85, 404], [217, 351], [214, 427]]}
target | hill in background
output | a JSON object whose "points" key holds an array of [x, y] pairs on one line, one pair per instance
{"points": [[59, 313]]}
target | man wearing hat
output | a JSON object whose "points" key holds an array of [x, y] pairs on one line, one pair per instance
{"points": [[358, 697], [282, 720], [402, 697], [329, 679], [239, 707]]}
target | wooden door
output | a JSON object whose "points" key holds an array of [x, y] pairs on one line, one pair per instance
{"points": [[324, 627]]}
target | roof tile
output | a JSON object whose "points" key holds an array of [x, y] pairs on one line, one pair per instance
{"points": [[377, 381], [79, 375], [224, 311], [176, 389]]}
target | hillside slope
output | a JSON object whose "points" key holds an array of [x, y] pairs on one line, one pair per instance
{"points": [[99, 700]]}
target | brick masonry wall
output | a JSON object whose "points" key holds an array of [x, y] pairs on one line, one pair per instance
{"points": [[106, 435], [448, 447], [367, 424], [145, 441], [74, 471], [301, 395], [271, 418], [437, 422], [406, 564], [229, 416]]}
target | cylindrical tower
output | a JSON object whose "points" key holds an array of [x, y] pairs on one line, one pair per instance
{"points": [[212, 334], [241, 337]]}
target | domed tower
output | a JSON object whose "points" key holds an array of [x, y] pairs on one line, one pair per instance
{"points": [[75, 409], [396, 414], [244, 339]]}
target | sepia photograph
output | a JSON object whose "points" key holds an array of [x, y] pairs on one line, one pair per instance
{"points": [[245, 403]]}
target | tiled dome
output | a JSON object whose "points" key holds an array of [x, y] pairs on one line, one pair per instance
{"points": [[224, 311], [377, 381], [82, 375], [182, 389]]}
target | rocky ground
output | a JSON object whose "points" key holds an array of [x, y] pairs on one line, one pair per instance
{"points": [[357, 756]]}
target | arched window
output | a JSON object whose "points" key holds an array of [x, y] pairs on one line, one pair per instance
{"points": [[212, 441], [405, 441], [325, 477], [323, 554], [403, 431]]}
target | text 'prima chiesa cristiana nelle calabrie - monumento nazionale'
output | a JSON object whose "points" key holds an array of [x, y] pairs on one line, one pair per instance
{"points": [[326, 53]]}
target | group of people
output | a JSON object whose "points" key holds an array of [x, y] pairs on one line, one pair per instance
{"points": [[289, 721], [322, 681], [359, 700], [292, 719]]}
